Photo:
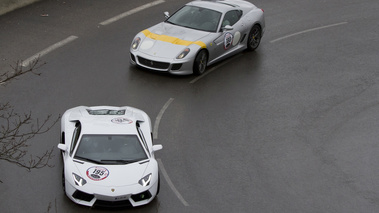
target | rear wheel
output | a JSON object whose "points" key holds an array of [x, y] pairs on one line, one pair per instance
{"points": [[200, 62], [254, 39]]}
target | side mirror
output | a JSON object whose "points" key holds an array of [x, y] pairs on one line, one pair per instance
{"points": [[227, 28], [62, 147], [157, 147], [166, 15]]}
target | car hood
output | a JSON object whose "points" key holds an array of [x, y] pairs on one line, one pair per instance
{"points": [[112, 175], [168, 41]]}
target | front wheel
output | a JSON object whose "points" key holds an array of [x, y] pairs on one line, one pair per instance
{"points": [[200, 62], [159, 184], [254, 39]]}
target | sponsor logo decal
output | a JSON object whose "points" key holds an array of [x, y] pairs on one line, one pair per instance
{"points": [[97, 173], [228, 40], [121, 120]]}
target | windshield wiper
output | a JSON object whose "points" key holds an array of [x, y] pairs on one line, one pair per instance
{"points": [[120, 161], [167, 21], [88, 160]]}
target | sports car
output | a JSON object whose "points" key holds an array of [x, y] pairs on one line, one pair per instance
{"points": [[108, 156], [197, 35]]}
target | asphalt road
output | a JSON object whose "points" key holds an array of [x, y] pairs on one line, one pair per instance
{"points": [[291, 127]]}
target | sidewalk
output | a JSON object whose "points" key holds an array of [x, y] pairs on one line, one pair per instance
{"points": [[9, 5]]}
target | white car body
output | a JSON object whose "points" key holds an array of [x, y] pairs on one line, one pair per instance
{"points": [[89, 134]]}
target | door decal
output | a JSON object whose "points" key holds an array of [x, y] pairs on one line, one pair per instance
{"points": [[228, 40]]}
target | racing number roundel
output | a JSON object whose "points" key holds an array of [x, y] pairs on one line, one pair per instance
{"points": [[97, 173], [228, 40]]}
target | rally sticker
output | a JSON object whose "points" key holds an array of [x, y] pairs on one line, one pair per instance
{"points": [[236, 38], [228, 40], [121, 121], [97, 173]]}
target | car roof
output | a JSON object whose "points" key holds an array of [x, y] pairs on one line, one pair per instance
{"points": [[107, 120], [223, 5], [104, 125]]}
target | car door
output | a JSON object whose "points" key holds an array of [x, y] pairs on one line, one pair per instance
{"points": [[229, 35]]}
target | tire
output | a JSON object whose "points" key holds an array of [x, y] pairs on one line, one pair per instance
{"points": [[254, 39], [200, 63], [159, 185], [63, 182]]}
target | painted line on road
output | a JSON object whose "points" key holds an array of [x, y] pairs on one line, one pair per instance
{"points": [[307, 31], [159, 117], [168, 180], [213, 69], [48, 50], [130, 12]]}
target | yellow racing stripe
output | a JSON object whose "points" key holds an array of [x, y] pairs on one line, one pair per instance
{"points": [[171, 39]]}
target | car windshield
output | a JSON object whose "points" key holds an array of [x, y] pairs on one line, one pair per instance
{"points": [[196, 18], [110, 149]]}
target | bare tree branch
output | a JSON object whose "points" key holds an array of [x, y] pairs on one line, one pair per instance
{"points": [[19, 70], [16, 130]]}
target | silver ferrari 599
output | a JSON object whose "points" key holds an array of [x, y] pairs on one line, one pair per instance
{"points": [[197, 35]]}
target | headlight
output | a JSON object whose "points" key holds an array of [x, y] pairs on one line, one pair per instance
{"points": [[183, 54], [136, 43], [79, 181], [145, 181]]}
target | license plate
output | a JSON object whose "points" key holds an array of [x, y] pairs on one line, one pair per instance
{"points": [[124, 197]]}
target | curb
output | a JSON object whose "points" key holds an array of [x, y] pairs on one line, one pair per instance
{"points": [[10, 5]]}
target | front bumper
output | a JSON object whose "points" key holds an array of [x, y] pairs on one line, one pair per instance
{"points": [[100, 196], [176, 67]]}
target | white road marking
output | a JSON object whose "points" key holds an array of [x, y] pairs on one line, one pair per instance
{"points": [[49, 49], [168, 180], [130, 12], [307, 31], [159, 117], [214, 68]]}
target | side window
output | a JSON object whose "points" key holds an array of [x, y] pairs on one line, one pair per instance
{"points": [[142, 137], [75, 137], [231, 17]]}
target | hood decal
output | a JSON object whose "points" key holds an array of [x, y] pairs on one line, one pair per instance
{"points": [[97, 173], [171, 39]]}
